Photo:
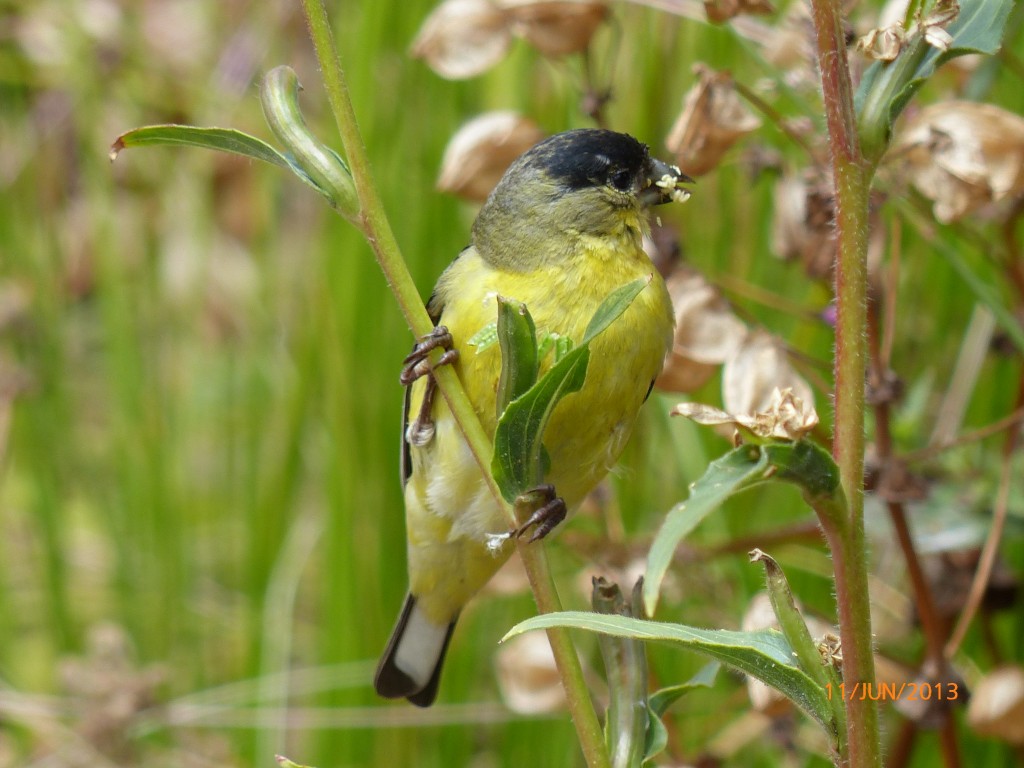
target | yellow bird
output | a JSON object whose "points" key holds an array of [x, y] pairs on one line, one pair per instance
{"points": [[560, 231]]}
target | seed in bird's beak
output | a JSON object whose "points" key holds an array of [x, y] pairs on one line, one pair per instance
{"points": [[664, 184]]}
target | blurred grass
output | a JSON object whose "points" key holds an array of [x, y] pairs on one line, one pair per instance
{"points": [[204, 443]]}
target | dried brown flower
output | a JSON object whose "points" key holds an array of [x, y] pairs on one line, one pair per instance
{"points": [[720, 11], [481, 150], [962, 156], [714, 118], [707, 332], [802, 223], [997, 705], [463, 38], [527, 676], [556, 28]]}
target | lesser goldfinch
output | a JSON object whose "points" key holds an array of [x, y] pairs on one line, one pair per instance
{"points": [[560, 231]]}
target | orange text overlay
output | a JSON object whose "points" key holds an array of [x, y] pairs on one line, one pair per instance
{"points": [[894, 691]]}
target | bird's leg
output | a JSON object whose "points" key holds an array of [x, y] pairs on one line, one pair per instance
{"points": [[416, 365], [549, 511]]}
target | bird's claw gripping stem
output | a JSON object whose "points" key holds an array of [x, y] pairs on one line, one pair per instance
{"points": [[549, 512], [416, 365]]}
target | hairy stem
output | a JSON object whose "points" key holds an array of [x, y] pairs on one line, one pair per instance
{"points": [[375, 226], [851, 181]]}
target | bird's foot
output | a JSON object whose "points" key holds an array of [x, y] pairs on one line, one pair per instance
{"points": [[417, 363], [548, 511]]}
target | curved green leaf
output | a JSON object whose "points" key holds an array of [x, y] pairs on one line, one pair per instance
{"points": [[217, 139], [659, 702], [517, 337], [764, 654], [516, 464], [740, 468]]}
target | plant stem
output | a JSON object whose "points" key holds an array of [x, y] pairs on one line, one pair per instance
{"points": [[375, 226], [851, 180]]}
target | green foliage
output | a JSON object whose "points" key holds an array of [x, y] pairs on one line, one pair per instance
{"points": [[517, 464], [887, 87], [763, 654]]}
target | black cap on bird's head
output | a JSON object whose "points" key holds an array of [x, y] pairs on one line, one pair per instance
{"points": [[594, 157], [583, 181]]}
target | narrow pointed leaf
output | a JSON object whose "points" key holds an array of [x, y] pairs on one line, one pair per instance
{"points": [[614, 305], [516, 464], [764, 654], [661, 700], [517, 338], [217, 139], [740, 468]]}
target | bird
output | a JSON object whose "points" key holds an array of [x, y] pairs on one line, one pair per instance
{"points": [[560, 231]]}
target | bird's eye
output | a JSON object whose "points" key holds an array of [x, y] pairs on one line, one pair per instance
{"points": [[622, 180]]}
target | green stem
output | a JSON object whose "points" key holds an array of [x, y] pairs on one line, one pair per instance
{"points": [[375, 226], [852, 181]]}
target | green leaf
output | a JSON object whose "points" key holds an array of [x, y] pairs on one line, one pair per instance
{"points": [[764, 654], [517, 338], [793, 626], [614, 305], [887, 87], [740, 468], [661, 700], [807, 465], [217, 139], [319, 164], [802, 463], [516, 464]]}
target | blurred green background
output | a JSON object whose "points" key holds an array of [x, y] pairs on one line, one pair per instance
{"points": [[201, 527]]}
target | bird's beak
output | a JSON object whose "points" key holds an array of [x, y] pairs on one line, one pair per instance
{"points": [[663, 182]]}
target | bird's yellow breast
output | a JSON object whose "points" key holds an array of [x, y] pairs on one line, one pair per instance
{"points": [[588, 429]]}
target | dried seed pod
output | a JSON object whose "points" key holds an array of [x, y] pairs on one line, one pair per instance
{"points": [[884, 43], [997, 705], [463, 38], [556, 28], [714, 117], [802, 223], [757, 376], [481, 150], [527, 676], [962, 156], [720, 11], [707, 332]]}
